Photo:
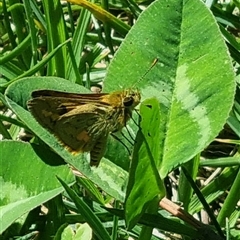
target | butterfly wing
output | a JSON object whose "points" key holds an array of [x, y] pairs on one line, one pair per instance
{"points": [[81, 126], [83, 97], [84, 131]]}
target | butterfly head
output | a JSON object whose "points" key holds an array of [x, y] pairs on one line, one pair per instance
{"points": [[131, 99]]}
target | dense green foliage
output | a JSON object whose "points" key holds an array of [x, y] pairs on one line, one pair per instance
{"points": [[184, 58]]}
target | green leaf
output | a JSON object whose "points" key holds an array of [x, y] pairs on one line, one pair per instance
{"points": [[195, 88], [83, 232], [87, 213], [103, 16], [17, 50], [144, 182], [26, 180], [66, 232], [72, 72], [38, 66], [161, 222], [56, 32], [215, 189]]}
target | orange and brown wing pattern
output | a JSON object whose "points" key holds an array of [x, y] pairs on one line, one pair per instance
{"points": [[81, 126], [82, 122]]}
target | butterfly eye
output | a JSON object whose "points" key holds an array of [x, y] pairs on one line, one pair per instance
{"points": [[128, 101]]}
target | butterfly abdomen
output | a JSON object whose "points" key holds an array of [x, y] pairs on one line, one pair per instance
{"points": [[98, 151]]}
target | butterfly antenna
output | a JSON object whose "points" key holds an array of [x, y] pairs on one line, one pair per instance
{"points": [[149, 69]]}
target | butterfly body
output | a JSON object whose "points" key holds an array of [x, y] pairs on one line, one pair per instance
{"points": [[83, 122]]}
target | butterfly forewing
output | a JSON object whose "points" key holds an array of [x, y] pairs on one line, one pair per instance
{"points": [[75, 97]]}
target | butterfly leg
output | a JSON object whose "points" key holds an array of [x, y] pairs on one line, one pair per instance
{"points": [[118, 139]]}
